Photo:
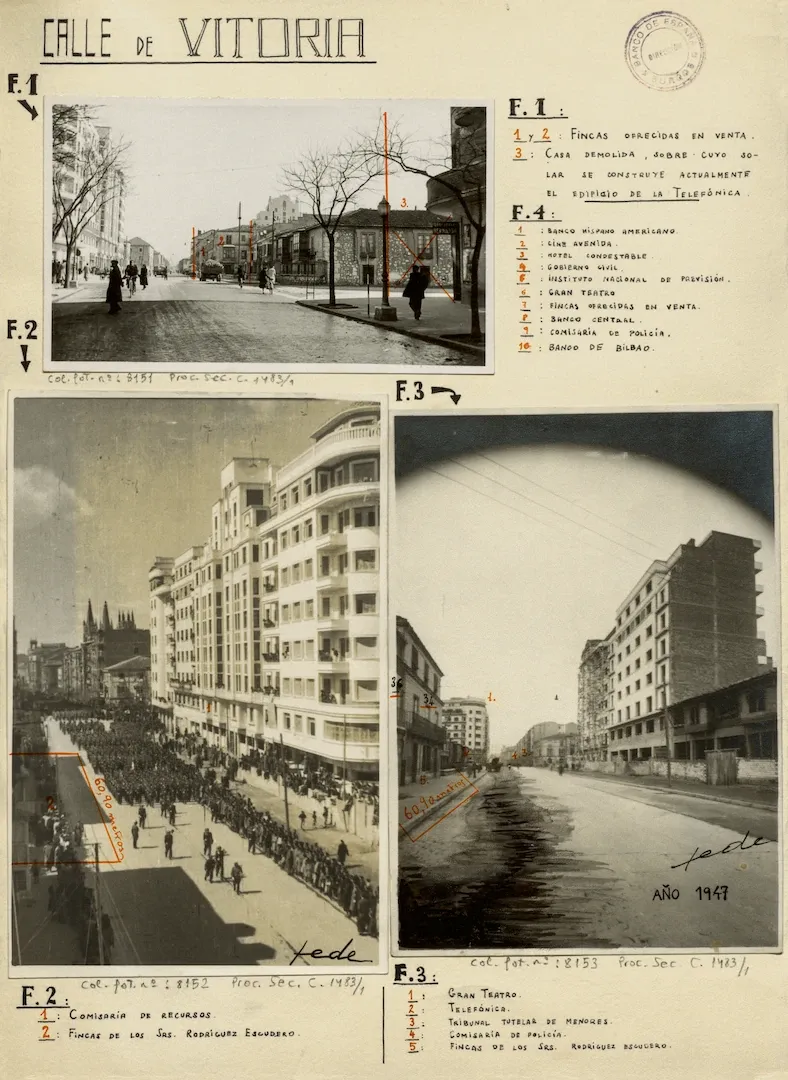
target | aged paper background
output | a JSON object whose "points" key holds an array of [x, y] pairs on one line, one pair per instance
{"points": [[713, 1022]]}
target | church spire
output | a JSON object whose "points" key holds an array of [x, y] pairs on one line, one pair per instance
{"points": [[105, 623], [90, 621]]}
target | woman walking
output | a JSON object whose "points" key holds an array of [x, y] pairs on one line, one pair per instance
{"points": [[115, 288]]}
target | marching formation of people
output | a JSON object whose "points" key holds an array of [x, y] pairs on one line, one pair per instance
{"points": [[146, 767]]}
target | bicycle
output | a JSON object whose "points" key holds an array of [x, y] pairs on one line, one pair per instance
{"points": [[132, 286]]}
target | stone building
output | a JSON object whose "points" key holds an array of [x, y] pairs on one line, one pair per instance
{"points": [[106, 644], [415, 236]]}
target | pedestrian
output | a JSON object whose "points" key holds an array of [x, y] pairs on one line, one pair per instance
{"points": [[325, 816], [168, 836], [270, 277], [144, 276], [240, 275], [173, 813], [209, 865], [142, 814], [261, 278], [114, 288], [236, 874], [135, 833], [342, 852], [314, 819], [86, 273], [207, 842], [415, 289], [218, 860], [302, 819]]}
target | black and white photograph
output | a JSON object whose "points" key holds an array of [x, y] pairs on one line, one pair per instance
{"points": [[285, 235], [196, 609], [586, 693]]}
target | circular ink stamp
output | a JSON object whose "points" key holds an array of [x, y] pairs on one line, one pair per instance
{"points": [[664, 51]]}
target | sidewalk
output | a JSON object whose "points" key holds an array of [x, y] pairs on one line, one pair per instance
{"points": [[363, 855], [94, 285], [441, 318], [415, 805], [754, 796]]}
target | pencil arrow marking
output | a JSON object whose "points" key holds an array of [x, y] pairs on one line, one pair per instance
{"points": [[25, 362], [30, 108]]}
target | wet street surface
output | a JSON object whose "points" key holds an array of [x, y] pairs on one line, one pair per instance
{"points": [[180, 321], [540, 861]]}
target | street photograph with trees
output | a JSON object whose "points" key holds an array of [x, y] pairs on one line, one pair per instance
{"points": [[350, 233]]}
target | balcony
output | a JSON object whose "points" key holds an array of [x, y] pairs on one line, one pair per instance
{"points": [[331, 539], [759, 611], [271, 657], [423, 728], [332, 622], [343, 440], [269, 624], [269, 587], [330, 582]]}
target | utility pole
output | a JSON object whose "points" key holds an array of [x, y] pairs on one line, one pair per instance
{"points": [[344, 754], [668, 738], [98, 911], [284, 776], [249, 272], [239, 236], [273, 245], [194, 267]]}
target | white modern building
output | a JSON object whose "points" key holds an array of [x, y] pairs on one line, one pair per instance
{"points": [[466, 722], [275, 621]]}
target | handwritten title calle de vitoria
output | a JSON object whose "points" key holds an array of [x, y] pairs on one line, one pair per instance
{"points": [[240, 37]]}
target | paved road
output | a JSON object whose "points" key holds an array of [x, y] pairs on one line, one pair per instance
{"points": [[542, 861], [164, 912], [181, 321]]}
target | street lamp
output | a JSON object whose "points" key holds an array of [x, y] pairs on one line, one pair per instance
{"points": [[385, 313]]}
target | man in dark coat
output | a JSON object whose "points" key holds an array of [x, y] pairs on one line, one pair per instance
{"points": [[415, 289], [115, 288]]}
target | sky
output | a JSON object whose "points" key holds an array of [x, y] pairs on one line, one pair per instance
{"points": [[104, 485], [505, 592], [191, 162]]}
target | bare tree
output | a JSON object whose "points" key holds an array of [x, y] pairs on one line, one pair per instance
{"points": [[460, 173], [331, 180], [85, 176]]}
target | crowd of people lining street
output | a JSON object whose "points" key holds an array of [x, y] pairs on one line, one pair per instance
{"points": [[144, 766]]}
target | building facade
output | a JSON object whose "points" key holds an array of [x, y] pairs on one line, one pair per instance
{"points": [[301, 249], [102, 237], [107, 643], [467, 723], [689, 625], [420, 734], [594, 709], [741, 717], [275, 620], [466, 177], [558, 748], [128, 680]]}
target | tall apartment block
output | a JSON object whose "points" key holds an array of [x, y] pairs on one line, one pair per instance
{"points": [[270, 631], [689, 625], [466, 722]]}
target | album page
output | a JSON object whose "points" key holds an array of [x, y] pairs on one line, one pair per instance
{"points": [[392, 401]]}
